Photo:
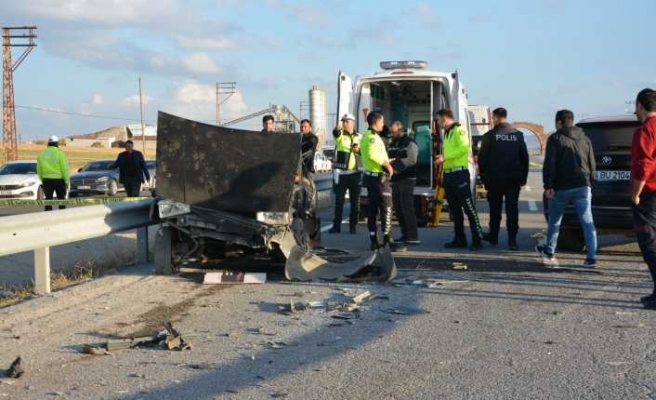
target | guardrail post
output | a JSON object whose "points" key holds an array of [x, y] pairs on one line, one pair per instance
{"points": [[141, 255], [42, 270]]}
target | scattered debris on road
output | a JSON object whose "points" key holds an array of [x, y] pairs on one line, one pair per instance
{"points": [[231, 278], [459, 266], [16, 370], [169, 339], [406, 310], [303, 265]]}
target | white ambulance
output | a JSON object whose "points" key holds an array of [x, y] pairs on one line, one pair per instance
{"points": [[406, 91]]}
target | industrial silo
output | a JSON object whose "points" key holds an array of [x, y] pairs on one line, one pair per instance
{"points": [[318, 114]]}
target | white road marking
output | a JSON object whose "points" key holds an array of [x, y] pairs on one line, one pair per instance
{"points": [[532, 205], [326, 228]]}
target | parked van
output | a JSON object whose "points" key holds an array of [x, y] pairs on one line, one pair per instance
{"points": [[406, 91]]}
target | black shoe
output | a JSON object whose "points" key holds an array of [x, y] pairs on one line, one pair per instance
{"points": [[335, 229], [589, 263], [393, 246], [512, 245], [353, 230], [476, 246], [650, 306], [455, 245], [648, 299], [492, 240], [375, 244]]}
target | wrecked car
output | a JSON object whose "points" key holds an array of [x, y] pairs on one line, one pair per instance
{"points": [[224, 190]]}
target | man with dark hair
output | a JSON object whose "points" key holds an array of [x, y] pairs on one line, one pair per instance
{"points": [[268, 124], [377, 173], [309, 143], [403, 152], [132, 169], [345, 166], [503, 165], [568, 173], [455, 160], [643, 184], [52, 169]]}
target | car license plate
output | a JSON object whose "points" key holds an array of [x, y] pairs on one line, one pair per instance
{"points": [[5, 192], [84, 187], [612, 175]]}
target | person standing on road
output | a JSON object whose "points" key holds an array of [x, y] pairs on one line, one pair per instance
{"points": [[132, 169], [347, 148], [403, 153], [52, 169], [643, 184], [503, 165], [377, 173], [309, 143], [268, 124], [567, 174], [457, 187]]}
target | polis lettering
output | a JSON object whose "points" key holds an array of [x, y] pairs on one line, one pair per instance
{"points": [[506, 138]]}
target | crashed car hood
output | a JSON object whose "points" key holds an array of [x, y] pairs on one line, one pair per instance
{"points": [[225, 169]]}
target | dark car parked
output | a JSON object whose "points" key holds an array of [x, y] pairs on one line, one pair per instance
{"points": [[611, 192], [95, 178]]}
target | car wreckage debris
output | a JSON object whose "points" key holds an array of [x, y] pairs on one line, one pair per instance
{"points": [[16, 370], [170, 339], [231, 278], [304, 265]]}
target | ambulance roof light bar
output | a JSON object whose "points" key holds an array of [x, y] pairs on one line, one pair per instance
{"points": [[388, 65]]}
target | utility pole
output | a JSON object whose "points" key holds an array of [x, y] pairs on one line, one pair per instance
{"points": [[228, 88], [25, 38], [143, 125]]}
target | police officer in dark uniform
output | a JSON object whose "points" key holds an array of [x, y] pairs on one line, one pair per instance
{"points": [[503, 165], [403, 152]]}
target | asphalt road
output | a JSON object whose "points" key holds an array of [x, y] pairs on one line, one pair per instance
{"points": [[507, 327]]}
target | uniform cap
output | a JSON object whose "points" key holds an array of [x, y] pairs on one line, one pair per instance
{"points": [[348, 116], [53, 139]]}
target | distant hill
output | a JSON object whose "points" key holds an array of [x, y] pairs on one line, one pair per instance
{"points": [[115, 131]]}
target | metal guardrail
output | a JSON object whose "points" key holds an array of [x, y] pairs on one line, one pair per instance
{"points": [[40, 231]]}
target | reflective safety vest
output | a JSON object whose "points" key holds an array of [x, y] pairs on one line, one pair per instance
{"points": [[52, 164], [344, 157], [455, 147], [373, 152]]}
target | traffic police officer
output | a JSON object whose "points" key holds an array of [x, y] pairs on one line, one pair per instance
{"points": [[503, 165], [52, 169], [347, 147], [456, 181], [377, 173], [403, 153]]}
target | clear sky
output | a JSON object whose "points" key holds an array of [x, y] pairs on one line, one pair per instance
{"points": [[531, 56]]}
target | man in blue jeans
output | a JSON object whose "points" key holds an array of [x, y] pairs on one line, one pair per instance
{"points": [[567, 174]]}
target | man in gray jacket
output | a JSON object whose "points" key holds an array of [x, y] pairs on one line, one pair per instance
{"points": [[403, 156], [567, 174]]}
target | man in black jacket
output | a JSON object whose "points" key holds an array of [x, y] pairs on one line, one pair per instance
{"points": [[503, 165], [132, 169], [309, 143], [403, 155], [568, 173]]}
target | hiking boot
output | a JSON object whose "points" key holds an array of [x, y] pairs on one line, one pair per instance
{"points": [[589, 263]]}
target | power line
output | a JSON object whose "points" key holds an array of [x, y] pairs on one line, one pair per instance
{"points": [[53, 111]]}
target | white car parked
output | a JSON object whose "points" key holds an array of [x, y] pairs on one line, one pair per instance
{"points": [[18, 180]]}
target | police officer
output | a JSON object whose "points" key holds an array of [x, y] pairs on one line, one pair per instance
{"points": [[52, 169], [347, 148], [456, 181], [403, 153], [377, 173], [503, 165]]}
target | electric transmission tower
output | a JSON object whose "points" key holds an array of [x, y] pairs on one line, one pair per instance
{"points": [[228, 88]]}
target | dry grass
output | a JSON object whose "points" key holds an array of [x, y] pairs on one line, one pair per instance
{"points": [[80, 273], [77, 156]]}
